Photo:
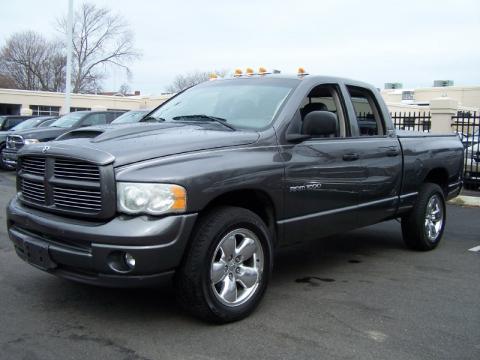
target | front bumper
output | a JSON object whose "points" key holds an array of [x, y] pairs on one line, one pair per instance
{"points": [[9, 158], [86, 251]]}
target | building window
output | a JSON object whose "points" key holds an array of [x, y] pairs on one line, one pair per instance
{"points": [[45, 110], [73, 109], [408, 95]]}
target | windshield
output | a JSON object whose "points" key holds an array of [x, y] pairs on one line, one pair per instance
{"points": [[68, 120], [46, 123], [27, 124], [249, 103], [130, 117]]}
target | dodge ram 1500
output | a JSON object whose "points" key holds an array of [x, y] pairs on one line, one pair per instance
{"points": [[231, 170]]}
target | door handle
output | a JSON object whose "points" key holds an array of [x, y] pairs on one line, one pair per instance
{"points": [[351, 157], [393, 152]]}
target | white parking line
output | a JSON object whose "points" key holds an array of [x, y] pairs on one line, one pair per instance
{"points": [[475, 249], [377, 336]]}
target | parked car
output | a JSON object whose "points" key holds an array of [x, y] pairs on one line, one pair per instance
{"points": [[132, 116], [31, 123], [469, 139], [472, 165], [234, 169], [48, 122], [62, 125], [9, 121]]}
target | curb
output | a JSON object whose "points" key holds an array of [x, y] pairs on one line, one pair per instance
{"points": [[464, 200]]}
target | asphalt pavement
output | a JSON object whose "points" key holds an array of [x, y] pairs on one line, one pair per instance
{"points": [[359, 295]]}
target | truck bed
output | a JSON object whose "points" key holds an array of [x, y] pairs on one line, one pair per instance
{"points": [[442, 151]]}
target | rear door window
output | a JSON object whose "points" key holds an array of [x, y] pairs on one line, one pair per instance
{"points": [[367, 113], [95, 119]]}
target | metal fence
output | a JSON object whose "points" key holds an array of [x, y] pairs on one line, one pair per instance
{"points": [[412, 121], [467, 126]]}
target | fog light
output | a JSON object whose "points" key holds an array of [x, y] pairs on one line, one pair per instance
{"points": [[129, 260]]}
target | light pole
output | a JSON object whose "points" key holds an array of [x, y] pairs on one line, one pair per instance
{"points": [[68, 77]]}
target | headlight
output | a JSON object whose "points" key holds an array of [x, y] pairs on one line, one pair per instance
{"points": [[154, 199], [31, 141]]}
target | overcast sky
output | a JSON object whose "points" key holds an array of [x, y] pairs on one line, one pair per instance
{"points": [[378, 41]]}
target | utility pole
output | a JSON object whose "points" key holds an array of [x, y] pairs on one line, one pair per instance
{"points": [[68, 85]]}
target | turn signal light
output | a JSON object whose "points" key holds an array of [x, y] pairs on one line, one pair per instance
{"points": [[180, 196]]}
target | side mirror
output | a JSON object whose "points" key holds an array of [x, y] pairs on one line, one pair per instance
{"points": [[320, 124]]}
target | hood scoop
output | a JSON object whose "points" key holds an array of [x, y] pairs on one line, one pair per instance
{"points": [[81, 134], [129, 130]]}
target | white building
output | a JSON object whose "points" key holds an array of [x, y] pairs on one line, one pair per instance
{"points": [[26, 102], [419, 99]]}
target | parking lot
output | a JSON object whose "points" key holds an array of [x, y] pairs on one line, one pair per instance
{"points": [[360, 295]]}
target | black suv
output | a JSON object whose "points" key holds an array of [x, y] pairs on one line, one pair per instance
{"points": [[64, 124], [9, 121]]}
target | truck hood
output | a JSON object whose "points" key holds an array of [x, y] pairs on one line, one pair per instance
{"points": [[126, 144]]}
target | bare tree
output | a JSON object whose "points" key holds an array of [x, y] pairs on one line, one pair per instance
{"points": [[124, 89], [7, 82], [100, 39], [181, 82], [33, 62]]}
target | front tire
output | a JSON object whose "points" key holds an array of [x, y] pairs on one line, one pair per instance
{"points": [[227, 267], [423, 227]]}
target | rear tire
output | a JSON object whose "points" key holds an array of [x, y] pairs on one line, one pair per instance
{"points": [[227, 267], [423, 227]]}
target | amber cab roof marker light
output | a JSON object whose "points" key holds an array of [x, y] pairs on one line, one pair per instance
{"points": [[301, 71], [238, 73], [212, 76], [249, 71], [262, 71]]}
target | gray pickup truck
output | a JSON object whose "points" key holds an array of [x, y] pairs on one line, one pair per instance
{"points": [[231, 170]]}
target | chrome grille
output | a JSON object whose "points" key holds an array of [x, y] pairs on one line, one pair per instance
{"points": [[14, 142], [32, 191], [34, 166], [68, 186], [83, 199], [76, 170]]}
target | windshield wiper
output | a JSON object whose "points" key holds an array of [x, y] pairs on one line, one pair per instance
{"points": [[150, 118], [203, 117]]}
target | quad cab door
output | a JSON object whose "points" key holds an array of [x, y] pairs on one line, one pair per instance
{"points": [[379, 155], [322, 176], [338, 182]]}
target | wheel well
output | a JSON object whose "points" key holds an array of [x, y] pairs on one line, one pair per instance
{"points": [[438, 176], [256, 201]]}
